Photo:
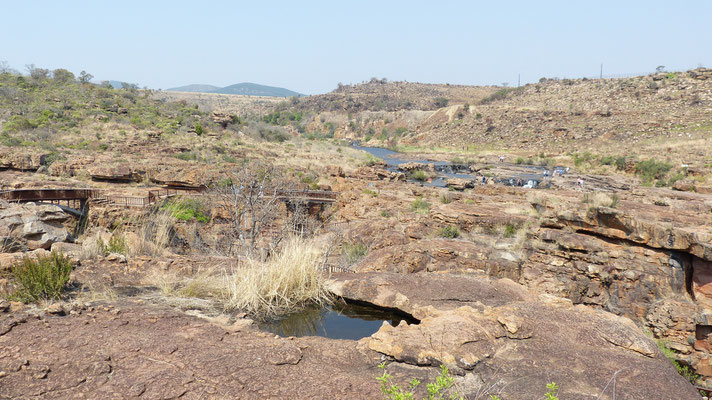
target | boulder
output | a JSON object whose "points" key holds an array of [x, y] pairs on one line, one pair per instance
{"points": [[460, 183], [30, 226]]}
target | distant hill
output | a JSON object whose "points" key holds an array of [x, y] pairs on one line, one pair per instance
{"points": [[245, 88], [195, 88]]}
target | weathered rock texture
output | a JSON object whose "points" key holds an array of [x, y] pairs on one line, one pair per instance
{"points": [[514, 341], [30, 226]]}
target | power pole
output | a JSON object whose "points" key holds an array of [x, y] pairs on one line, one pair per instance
{"points": [[519, 79], [601, 71]]}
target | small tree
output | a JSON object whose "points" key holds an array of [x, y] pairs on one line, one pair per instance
{"points": [[250, 197], [62, 75], [85, 77]]}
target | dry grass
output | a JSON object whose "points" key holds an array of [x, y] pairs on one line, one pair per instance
{"points": [[154, 235], [287, 281], [599, 199]]}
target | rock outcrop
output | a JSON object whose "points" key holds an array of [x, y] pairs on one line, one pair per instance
{"points": [[498, 332], [30, 226]]}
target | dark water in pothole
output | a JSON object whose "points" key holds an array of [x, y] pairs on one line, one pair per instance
{"points": [[339, 321]]}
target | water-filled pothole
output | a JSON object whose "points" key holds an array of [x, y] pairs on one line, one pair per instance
{"points": [[341, 320]]}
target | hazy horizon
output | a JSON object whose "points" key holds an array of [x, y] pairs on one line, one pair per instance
{"points": [[310, 47]]}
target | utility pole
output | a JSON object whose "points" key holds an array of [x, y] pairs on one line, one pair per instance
{"points": [[519, 79], [601, 71]]}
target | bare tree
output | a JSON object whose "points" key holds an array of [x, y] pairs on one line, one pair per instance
{"points": [[250, 198]]}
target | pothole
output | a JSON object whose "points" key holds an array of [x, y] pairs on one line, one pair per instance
{"points": [[341, 320]]}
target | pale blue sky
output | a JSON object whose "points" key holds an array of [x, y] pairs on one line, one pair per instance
{"points": [[310, 46]]}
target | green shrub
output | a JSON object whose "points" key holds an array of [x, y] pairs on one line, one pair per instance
{"points": [[449, 232], [510, 230], [187, 210], [683, 370], [418, 175], [436, 390], [445, 198], [353, 252], [441, 102], [198, 129], [620, 163], [370, 193], [385, 213], [42, 279], [520, 160], [420, 206], [652, 169]]}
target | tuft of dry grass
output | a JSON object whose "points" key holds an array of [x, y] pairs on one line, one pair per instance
{"points": [[154, 234], [287, 281]]}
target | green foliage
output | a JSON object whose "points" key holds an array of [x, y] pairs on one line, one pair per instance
{"points": [[445, 198], [43, 105], [187, 156], [42, 279], [449, 232], [282, 117], [498, 95], [117, 244], [420, 206], [683, 370], [198, 129], [187, 210], [370, 192], [418, 175], [652, 169], [441, 102], [552, 391], [520, 160], [436, 390], [385, 213], [510, 230], [620, 163], [353, 252]]}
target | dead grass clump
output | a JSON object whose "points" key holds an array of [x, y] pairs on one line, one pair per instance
{"points": [[154, 235], [288, 280]]}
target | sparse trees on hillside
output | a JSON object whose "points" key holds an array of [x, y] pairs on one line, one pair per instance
{"points": [[36, 73]]}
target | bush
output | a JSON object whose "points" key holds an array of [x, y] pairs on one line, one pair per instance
{"points": [[449, 232], [445, 198], [420, 206], [441, 102], [198, 129], [418, 175], [510, 230], [353, 252], [42, 279], [436, 390], [652, 169], [683, 370], [187, 210]]}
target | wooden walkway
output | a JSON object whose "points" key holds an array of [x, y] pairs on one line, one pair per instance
{"points": [[77, 198]]}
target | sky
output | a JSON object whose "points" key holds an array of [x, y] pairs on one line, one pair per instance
{"points": [[311, 46]]}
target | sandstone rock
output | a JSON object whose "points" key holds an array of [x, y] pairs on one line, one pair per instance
{"points": [[119, 173], [460, 183], [30, 226], [481, 325], [22, 158], [416, 166]]}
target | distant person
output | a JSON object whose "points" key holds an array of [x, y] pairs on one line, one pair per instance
{"points": [[579, 183], [501, 158], [484, 179], [546, 173]]}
